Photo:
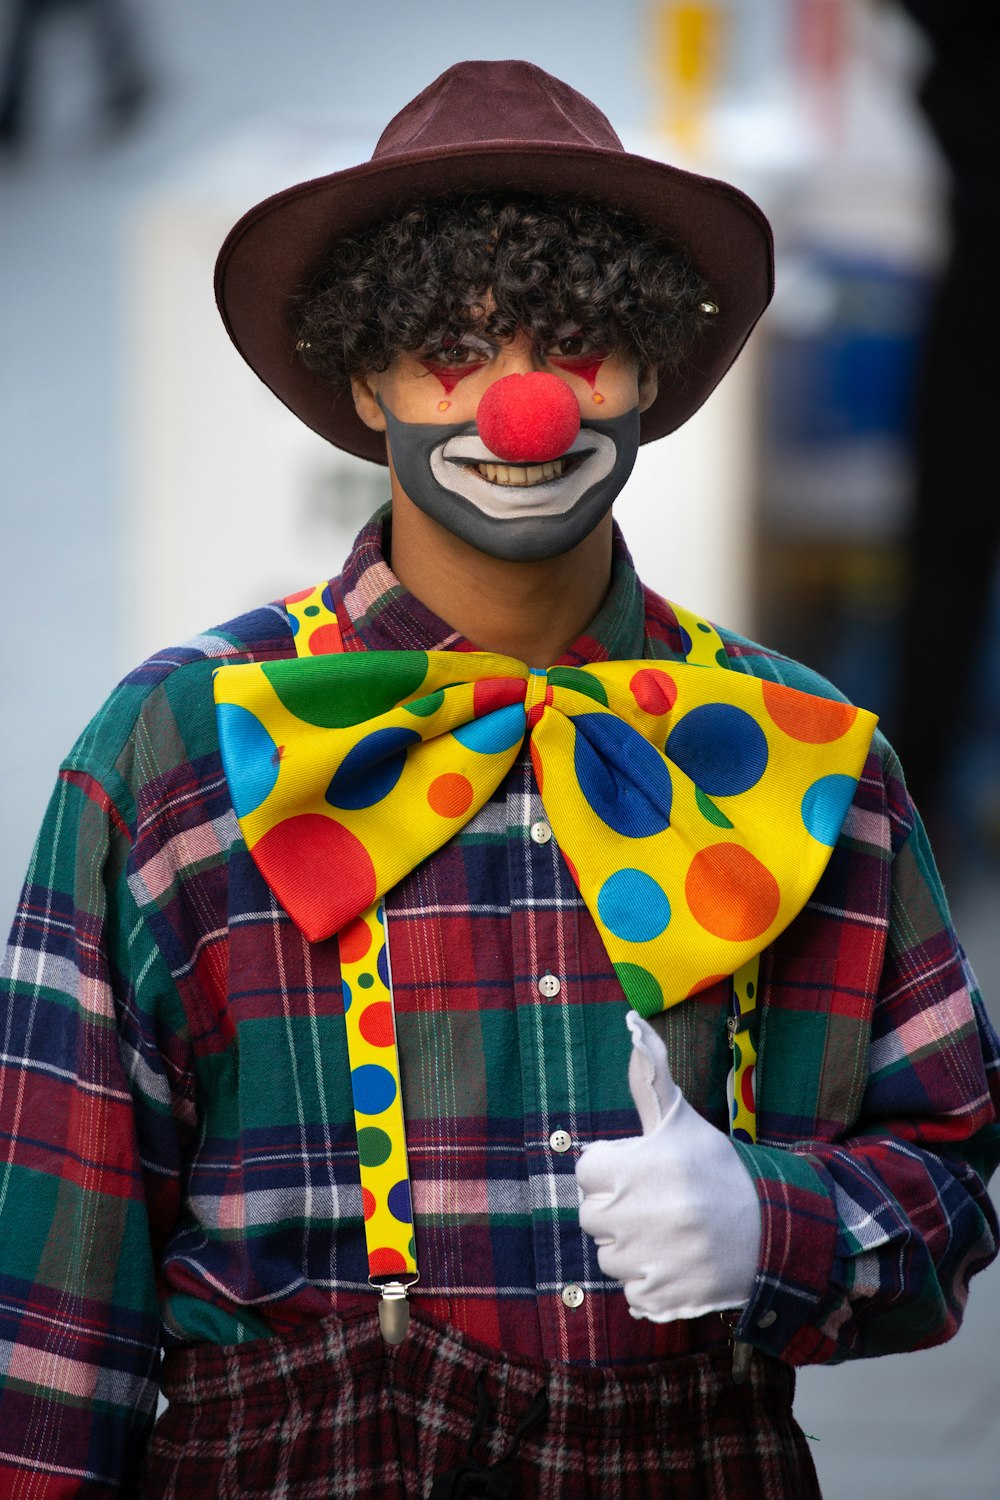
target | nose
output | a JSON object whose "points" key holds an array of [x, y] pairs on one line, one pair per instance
{"points": [[528, 418]]}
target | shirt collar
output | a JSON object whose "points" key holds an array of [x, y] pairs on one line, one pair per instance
{"points": [[379, 614]]}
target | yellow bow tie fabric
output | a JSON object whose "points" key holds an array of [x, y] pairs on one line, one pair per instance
{"points": [[696, 807]]}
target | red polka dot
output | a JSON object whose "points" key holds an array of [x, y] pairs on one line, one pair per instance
{"points": [[571, 867], [354, 941], [746, 1090], [730, 893], [654, 691], [298, 598], [368, 1200], [325, 640], [375, 1024], [322, 875], [450, 795], [497, 692], [815, 721], [384, 1262]]}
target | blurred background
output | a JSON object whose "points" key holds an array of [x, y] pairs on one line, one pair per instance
{"points": [[835, 497]]}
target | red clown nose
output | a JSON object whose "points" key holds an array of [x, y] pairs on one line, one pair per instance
{"points": [[528, 418]]}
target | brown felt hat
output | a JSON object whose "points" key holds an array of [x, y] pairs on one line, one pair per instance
{"points": [[484, 126]]}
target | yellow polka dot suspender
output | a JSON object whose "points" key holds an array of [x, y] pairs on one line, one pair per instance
{"points": [[371, 1037]]}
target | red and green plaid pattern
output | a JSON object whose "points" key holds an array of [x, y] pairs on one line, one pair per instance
{"points": [[175, 1114]]}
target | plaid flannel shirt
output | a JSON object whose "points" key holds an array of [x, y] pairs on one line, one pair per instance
{"points": [[175, 1110]]}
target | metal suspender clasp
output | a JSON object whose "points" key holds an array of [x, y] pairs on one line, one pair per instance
{"points": [[394, 1308]]}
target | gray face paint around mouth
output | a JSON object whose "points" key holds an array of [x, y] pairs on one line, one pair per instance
{"points": [[436, 465]]}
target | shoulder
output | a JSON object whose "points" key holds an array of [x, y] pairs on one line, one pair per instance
{"points": [[160, 719]]}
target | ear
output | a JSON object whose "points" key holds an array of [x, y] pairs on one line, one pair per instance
{"points": [[648, 387], [364, 390]]}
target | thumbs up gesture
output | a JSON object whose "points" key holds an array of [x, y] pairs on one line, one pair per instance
{"points": [[673, 1211]]}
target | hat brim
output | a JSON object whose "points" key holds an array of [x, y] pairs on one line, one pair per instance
{"points": [[272, 254]]}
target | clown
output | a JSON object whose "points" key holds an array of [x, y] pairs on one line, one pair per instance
{"points": [[485, 1023]]}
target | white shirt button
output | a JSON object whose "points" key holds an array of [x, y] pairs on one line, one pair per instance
{"points": [[549, 986], [768, 1319], [560, 1140], [572, 1295], [541, 833]]}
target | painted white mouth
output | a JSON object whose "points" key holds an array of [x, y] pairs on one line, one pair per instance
{"points": [[466, 467]]}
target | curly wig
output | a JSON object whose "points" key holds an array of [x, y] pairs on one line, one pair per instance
{"points": [[544, 262]]}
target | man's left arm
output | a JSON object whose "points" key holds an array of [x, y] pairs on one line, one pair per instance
{"points": [[868, 1242]]}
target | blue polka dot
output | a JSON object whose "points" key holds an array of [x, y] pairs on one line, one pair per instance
{"points": [[293, 623], [494, 732], [721, 748], [249, 755], [348, 997], [824, 807], [633, 906], [374, 1088], [370, 771], [399, 1202], [382, 964], [622, 777], [685, 640], [327, 598]]}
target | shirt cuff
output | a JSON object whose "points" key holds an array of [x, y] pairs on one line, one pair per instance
{"points": [[793, 1291]]}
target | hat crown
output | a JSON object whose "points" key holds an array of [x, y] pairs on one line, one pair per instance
{"points": [[475, 102]]}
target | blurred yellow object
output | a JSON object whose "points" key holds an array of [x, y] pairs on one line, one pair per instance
{"points": [[688, 41]]}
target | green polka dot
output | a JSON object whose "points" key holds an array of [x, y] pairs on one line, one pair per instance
{"points": [[737, 1055], [311, 609], [374, 1146], [362, 690], [366, 981], [750, 991], [412, 1248], [579, 681], [424, 707], [709, 811], [706, 628], [721, 657], [642, 989]]}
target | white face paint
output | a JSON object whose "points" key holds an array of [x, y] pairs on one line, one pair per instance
{"points": [[521, 513], [512, 490]]}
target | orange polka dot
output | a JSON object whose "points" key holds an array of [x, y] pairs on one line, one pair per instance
{"points": [[368, 1200], [325, 640], [571, 867], [730, 893], [355, 940], [815, 721], [375, 1024], [450, 795], [384, 1262], [536, 765], [706, 984]]}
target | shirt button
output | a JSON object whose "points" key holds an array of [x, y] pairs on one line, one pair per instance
{"points": [[541, 833], [768, 1319], [560, 1140], [572, 1295], [549, 986]]}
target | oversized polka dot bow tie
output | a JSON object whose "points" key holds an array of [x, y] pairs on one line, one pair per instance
{"points": [[696, 807]]}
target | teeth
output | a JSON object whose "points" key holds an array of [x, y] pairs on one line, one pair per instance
{"points": [[516, 474]]}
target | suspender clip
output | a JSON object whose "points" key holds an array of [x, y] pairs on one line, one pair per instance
{"points": [[394, 1310]]}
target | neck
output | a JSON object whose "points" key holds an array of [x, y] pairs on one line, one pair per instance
{"points": [[533, 611]]}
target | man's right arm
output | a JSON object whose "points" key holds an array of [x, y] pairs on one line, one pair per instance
{"points": [[89, 1156]]}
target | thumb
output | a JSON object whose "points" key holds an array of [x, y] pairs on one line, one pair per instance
{"points": [[649, 1078]]}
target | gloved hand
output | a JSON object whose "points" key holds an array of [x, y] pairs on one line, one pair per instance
{"points": [[674, 1211]]}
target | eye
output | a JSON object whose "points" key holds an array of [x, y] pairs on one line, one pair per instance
{"points": [[577, 344], [454, 353]]}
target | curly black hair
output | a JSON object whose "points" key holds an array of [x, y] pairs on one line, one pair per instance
{"points": [[424, 275]]}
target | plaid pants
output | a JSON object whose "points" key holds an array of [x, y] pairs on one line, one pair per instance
{"points": [[334, 1411]]}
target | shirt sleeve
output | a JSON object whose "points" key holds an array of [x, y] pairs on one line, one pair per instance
{"points": [[869, 1241], [89, 1135]]}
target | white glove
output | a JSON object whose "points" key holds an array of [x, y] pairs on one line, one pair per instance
{"points": [[674, 1211]]}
